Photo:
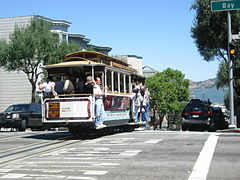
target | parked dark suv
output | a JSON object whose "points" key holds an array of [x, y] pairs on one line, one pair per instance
{"points": [[200, 115], [22, 116]]}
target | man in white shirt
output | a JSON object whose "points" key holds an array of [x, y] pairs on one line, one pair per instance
{"points": [[99, 108]]}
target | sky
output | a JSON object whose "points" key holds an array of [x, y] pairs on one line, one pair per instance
{"points": [[156, 30]]}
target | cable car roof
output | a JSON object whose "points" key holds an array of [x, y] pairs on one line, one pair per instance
{"points": [[91, 58], [93, 55], [76, 62]]}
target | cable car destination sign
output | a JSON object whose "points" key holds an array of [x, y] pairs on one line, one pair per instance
{"points": [[225, 5]]}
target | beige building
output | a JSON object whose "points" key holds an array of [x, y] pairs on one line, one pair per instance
{"points": [[135, 61]]}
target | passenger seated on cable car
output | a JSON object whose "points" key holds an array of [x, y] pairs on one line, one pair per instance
{"points": [[68, 87], [80, 86], [59, 85], [47, 87], [88, 87]]}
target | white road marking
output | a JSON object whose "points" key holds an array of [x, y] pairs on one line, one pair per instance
{"points": [[130, 152], [106, 164], [128, 138], [101, 149], [90, 172], [52, 171], [83, 178], [42, 176], [94, 141], [5, 170], [201, 167], [96, 156], [13, 176], [153, 141]]}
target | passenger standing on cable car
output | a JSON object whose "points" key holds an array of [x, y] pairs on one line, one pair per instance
{"points": [[99, 108]]}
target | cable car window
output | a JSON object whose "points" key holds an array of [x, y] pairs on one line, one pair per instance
{"points": [[115, 79], [109, 80], [121, 83], [127, 83]]}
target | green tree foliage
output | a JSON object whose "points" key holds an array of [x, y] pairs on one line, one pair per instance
{"points": [[211, 37], [168, 91], [222, 75], [210, 30], [31, 46], [90, 48], [62, 50]]}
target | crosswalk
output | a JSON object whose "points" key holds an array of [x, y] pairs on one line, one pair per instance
{"points": [[88, 159]]}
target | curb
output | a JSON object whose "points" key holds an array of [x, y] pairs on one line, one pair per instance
{"points": [[229, 130]]}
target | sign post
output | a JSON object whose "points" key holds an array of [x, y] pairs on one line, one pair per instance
{"points": [[227, 6], [230, 67]]}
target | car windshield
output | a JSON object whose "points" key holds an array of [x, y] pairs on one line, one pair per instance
{"points": [[17, 108]]}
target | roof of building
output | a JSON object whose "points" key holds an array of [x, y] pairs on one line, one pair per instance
{"points": [[63, 22], [76, 35], [100, 47], [149, 69]]}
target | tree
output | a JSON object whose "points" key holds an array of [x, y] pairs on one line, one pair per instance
{"points": [[62, 50], [210, 30], [168, 91], [210, 34], [31, 46]]}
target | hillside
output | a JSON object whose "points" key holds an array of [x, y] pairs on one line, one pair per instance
{"points": [[207, 84]]}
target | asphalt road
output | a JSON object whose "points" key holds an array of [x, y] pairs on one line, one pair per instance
{"points": [[129, 155]]}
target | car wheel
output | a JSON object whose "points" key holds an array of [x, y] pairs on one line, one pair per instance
{"points": [[23, 125], [211, 128], [184, 127]]}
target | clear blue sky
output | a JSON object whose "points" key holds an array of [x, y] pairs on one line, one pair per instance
{"points": [[157, 30]]}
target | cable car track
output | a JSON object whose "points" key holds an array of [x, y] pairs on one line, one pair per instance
{"points": [[33, 149]]}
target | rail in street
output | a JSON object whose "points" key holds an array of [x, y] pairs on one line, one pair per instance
{"points": [[129, 155]]}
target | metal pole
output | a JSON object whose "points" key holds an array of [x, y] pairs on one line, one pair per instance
{"points": [[230, 67]]}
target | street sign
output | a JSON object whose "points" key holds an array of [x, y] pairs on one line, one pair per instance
{"points": [[225, 5], [235, 36]]}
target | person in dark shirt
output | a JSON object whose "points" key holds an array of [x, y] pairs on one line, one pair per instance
{"points": [[59, 86], [88, 87], [80, 86]]}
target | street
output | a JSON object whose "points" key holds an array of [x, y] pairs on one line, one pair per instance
{"points": [[129, 155]]}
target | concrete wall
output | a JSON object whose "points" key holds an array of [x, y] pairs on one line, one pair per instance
{"points": [[7, 25], [15, 88]]}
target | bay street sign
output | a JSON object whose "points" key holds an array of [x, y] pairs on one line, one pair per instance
{"points": [[225, 5]]}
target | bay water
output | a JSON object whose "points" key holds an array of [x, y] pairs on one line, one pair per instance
{"points": [[214, 95]]}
